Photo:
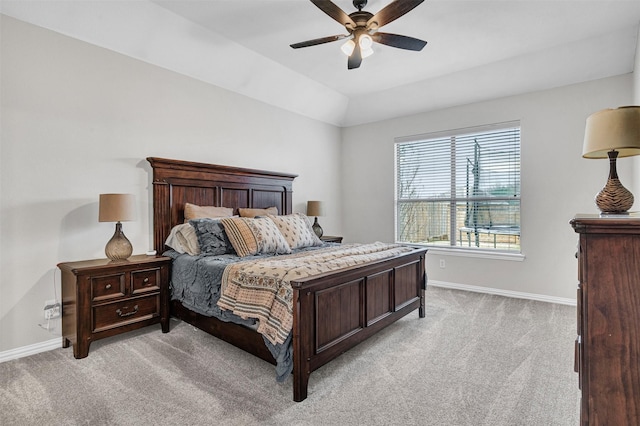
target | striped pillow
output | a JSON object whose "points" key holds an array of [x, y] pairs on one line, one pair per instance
{"points": [[251, 236]]}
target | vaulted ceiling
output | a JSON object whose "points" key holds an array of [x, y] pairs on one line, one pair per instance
{"points": [[477, 49]]}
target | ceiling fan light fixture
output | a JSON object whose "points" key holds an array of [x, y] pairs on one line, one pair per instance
{"points": [[348, 47], [365, 41], [366, 52]]}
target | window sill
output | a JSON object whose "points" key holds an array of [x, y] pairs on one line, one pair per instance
{"points": [[483, 254]]}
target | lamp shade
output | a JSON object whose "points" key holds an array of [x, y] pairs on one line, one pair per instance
{"points": [[315, 208], [612, 130], [116, 208]]}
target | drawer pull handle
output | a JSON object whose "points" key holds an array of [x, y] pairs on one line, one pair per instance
{"points": [[108, 286], [146, 280], [126, 314]]}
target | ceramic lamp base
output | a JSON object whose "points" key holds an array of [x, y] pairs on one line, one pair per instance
{"points": [[614, 198], [317, 228], [118, 247]]}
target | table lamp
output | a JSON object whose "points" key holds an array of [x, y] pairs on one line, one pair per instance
{"points": [[613, 133], [117, 208], [315, 208]]}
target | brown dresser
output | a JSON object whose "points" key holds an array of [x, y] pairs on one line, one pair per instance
{"points": [[102, 298], [608, 345]]}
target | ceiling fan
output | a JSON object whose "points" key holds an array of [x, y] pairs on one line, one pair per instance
{"points": [[363, 26]]}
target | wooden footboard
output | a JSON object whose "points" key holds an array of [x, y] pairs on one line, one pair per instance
{"points": [[334, 312]]}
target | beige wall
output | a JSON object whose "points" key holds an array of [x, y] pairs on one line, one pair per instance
{"points": [[79, 120], [556, 183]]}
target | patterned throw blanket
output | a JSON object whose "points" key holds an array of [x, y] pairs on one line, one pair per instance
{"points": [[261, 288]]}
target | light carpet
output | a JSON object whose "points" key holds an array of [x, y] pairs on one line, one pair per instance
{"points": [[475, 359]]}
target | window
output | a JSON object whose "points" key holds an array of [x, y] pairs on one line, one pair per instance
{"points": [[460, 188]]}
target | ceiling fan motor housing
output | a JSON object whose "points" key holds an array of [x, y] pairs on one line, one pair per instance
{"points": [[360, 18]]}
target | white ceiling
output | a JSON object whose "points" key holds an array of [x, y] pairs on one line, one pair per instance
{"points": [[477, 49]]}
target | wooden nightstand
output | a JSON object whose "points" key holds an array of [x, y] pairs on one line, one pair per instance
{"points": [[330, 239], [102, 298]]}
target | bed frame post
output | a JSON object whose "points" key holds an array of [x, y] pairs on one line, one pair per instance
{"points": [[161, 211], [301, 370], [423, 288]]}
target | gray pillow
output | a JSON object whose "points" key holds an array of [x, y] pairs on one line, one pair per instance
{"points": [[211, 236]]}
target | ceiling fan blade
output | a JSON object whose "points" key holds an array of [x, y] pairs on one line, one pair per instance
{"points": [[399, 41], [356, 58], [335, 12], [317, 41], [393, 11]]}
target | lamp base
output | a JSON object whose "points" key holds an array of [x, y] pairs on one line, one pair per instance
{"points": [[317, 228], [614, 198], [118, 247]]}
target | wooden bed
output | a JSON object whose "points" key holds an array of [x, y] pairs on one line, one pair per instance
{"points": [[332, 312]]}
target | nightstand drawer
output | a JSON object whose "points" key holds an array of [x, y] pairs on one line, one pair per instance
{"points": [[115, 314], [144, 281], [107, 287]]}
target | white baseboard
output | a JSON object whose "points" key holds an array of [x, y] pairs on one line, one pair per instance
{"points": [[506, 293], [36, 348]]}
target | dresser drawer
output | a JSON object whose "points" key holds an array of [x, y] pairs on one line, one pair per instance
{"points": [[112, 315], [107, 287], [145, 281]]}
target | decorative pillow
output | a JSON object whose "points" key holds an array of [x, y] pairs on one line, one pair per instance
{"points": [[297, 230], [251, 236], [183, 239], [191, 211], [257, 212], [211, 236]]}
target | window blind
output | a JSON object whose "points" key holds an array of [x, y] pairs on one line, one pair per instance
{"points": [[461, 182]]}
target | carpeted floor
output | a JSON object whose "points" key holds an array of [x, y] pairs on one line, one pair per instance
{"points": [[474, 360]]}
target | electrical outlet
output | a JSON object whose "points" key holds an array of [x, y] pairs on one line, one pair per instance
{"points": [[443, 264], [52, 309]]}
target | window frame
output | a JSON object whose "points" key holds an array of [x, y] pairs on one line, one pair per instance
{"points": [[483, 252]]}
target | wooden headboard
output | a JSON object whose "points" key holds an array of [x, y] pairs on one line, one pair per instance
{"points": [[177, 182]]}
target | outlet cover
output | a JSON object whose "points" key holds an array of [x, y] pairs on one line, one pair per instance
{"points": [[52, 309]]}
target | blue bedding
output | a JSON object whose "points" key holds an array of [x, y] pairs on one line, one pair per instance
{"points": [[195, 282]]}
